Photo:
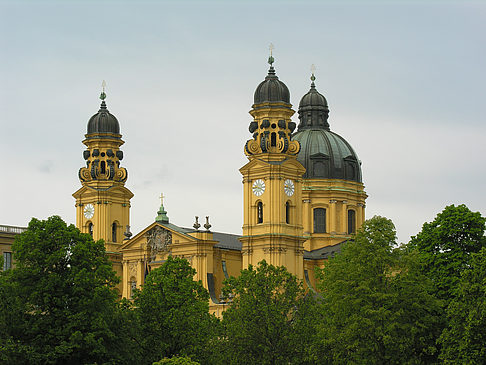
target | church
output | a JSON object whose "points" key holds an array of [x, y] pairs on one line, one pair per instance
{"points": [[303, 196]]}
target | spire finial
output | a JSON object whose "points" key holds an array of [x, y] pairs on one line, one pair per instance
{"points": [[103, 95], [313, 78], [270, 58], [162, 214], [207, 225], [196, 224]]}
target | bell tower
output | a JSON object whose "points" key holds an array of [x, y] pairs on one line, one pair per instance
{"points": [[103, 201], [272, 181]]}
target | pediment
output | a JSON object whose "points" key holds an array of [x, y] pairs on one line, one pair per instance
{"points": [[157, 234]]}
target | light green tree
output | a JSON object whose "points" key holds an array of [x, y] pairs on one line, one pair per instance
{"points": [[445, 246], [173, 314], [376, 305], [270, 319], [463, 341]]}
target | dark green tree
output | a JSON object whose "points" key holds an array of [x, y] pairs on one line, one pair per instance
{"points": [[176, 360], [270, 319], [376, 305], [58, 305], [445, 246], [173, 314], [463, 341]]}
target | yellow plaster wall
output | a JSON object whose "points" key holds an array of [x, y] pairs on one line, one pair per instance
{"points": [[337, 197]]}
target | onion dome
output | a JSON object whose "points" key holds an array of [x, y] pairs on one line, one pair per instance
{"points": [[103, 121], [271, 90], [324, 154]]}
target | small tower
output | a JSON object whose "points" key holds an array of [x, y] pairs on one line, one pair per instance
{"points": [[272, 181], [103, 201], [332, 191]]}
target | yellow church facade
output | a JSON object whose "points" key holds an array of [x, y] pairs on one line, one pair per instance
{"points": [[303, 197]]}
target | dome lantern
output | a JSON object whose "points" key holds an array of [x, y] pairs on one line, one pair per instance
{"points": [[313, 109], [324, 154]]}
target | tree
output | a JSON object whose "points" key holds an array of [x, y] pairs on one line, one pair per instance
{"points": [[58, 305], [376, 305], [173, 313], [445, 246], [269, 320], [463, 341]]}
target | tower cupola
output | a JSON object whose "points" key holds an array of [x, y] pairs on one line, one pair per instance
{"points": [[103, 154], [271, 126]]}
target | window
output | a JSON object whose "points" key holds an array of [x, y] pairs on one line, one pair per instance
{"points": [[113, 232], [7, 260], [273, 139], [287, 212], [260, 212], [319, 220], [103, 167], [90, 229], [351, 221], [319, 169]]}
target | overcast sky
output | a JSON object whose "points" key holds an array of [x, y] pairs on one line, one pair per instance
{"points": [[405, 82]]}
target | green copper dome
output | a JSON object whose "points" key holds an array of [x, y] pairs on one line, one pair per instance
{"points": [[324, 154], [271, 90], [103, 122]]}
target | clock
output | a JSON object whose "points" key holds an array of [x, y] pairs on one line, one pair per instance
{"points": [[258, 187], [89, 211], [289, 187]]}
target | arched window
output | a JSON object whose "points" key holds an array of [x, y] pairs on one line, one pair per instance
{"points": [[319, 220], [351, 221], [113, 231], [90, 229], [103, 167], [260, 212], [287, 212]]}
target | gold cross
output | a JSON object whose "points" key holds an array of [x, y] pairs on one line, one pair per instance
{"points": [[162, 199], [103, 85], [271, 48]]}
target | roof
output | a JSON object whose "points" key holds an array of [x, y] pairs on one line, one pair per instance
{"points": [[324, 252], [271, 90], [227, 241], [327, 155]]}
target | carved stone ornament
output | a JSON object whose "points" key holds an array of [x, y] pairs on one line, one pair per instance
{"points": [[132, 269], [158, 240]]}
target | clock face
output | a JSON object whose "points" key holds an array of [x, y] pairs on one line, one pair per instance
{"points": [[258, 187], [89, 211], [289, 187]]}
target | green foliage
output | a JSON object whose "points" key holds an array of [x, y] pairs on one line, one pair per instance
{"points": [[176, 360], [445, 246], [376, 305], [58, 304], [465, 337], [173, 313], [269, 320]]}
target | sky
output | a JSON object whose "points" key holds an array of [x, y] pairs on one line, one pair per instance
{"points": [[405, 82]]}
